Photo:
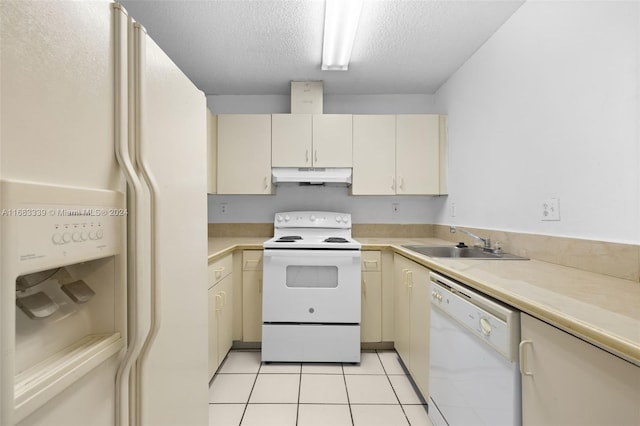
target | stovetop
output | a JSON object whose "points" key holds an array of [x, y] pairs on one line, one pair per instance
{"points": [[312, 230]]}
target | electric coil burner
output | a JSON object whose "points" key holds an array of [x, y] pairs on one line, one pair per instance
{"points": [[311, 289]]}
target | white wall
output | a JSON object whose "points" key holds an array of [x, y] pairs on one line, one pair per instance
{"points": [[364, 209], [549, 107]]}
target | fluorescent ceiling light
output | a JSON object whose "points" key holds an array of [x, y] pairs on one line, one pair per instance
{"points": [[340, 24]]}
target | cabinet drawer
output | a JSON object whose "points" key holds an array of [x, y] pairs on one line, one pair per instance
{"points": [[220, 269], [371, 261], [252, 260]]}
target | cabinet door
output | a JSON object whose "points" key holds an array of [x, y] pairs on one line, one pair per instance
{"points": [[420, 323], [225, 315], [291, 140], [374, 153], [417, 154], [332, 140], [252, 306], [252, 295], [371, 323], [568, 381], [214, 362], [402, 305], [244, 154]]}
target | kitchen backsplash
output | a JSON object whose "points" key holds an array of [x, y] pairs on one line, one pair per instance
{"points": [[613, 259]]}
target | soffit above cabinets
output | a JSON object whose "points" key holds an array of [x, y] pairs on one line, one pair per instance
{"points": [[242, 47]]}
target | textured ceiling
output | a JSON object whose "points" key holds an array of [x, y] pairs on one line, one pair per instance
{"points": [[256, 47]]}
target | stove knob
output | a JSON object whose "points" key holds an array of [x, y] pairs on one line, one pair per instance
{"points": [[338, 219], [287, 218], [312, 218], [279, 218], [345, 219]]}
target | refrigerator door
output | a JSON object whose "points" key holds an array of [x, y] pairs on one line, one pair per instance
{"points": [[171, 156], [57, 139]]}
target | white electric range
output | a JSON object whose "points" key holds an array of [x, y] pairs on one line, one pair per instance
{"points": [[311, 289]]}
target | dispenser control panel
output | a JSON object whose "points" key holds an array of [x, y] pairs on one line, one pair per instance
{"points": [[53, 225]]}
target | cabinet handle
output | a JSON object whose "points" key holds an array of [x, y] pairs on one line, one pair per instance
{"points": [[371, 262], [402, 183], [315, 156], [522, 358], [224, 298], [218, 305], [266, 185], [364, 288], [306, 156], [393, 183], [218, 272], [251, 262], [410, 279]]}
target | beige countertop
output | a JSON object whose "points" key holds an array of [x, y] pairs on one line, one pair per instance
{"points": [[601, 309]]}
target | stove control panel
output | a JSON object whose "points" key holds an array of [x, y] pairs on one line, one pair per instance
{"points": [[306, 219]]}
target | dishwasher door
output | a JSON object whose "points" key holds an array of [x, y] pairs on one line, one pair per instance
{"points": [[474, 373]]}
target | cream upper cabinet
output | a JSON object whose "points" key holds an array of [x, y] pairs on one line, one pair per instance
{"points": [[567, 381], [417, 154], [374, 152], [244, 154], [399, 154], [332, 140], [291, 136], [306, 140]]}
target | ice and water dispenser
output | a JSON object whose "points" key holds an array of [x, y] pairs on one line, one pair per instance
{"points": [[63, 290]]}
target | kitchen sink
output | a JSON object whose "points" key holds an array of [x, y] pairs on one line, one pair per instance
{"points": [[461, 252]]}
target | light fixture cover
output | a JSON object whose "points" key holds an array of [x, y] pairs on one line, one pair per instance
{"points": [[340, 24]]}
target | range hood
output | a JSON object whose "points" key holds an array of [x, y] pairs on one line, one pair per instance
{"points": [[312, 175]]}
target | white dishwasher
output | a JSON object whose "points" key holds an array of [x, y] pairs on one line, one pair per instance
{"points": [[474, 376]]}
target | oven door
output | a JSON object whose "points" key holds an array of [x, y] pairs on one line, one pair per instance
{"points": [[311, 286]]}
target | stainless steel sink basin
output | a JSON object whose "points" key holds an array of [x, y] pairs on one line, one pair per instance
{"points": [[461, 252]]}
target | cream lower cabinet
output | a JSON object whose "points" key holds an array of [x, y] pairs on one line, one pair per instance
{"points": [[412, 309], [244, 154], [252, 295], [371, 321], [567, 381], [220, 298]]}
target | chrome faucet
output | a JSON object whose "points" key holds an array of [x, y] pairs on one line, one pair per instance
{"points": [[486, 242]]}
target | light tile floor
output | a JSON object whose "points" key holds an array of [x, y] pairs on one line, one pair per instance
{"points": [[375, 392]]}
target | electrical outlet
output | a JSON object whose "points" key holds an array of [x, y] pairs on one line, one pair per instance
{"points": [[550, 209], [453, 210], [223, 208], [395, 208]]}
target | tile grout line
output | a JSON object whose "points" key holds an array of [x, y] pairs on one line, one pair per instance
{"points": [[346, 391], [246, 405], [393, 389]]}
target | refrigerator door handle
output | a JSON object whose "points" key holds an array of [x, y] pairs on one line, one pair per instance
{"points": [[139, 279]]}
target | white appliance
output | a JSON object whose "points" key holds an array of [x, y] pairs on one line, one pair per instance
{"points": [[311, 289], [103, 304], [474, 378]]}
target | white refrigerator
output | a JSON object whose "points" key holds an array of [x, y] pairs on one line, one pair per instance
{"points": [[103, 299]]}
